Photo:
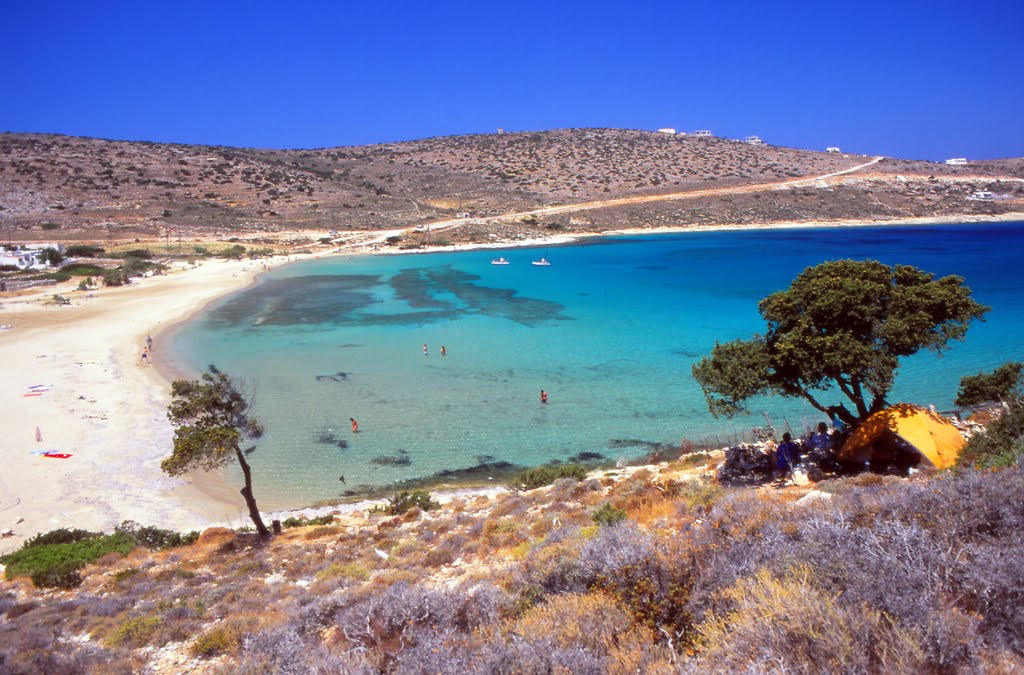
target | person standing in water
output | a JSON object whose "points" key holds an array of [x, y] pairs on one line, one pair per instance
{"points": [[444, 352], [425, 352], [543, 396], [355, 425]]}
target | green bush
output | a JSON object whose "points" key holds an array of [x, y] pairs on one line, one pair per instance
{"points": [[83, 251], [58, 563], [61, 535], [1000, 445], [155, 538], [217, 640], [1002, 384], [82, 270], [143, 253], [305, 522], [608, 515], [63, 575], [135, 631], [114, 278], [136, 267], [546, 475], [400, 502], [49, 227], [236, 252]]}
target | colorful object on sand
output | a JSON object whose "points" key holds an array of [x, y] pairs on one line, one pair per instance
{"points": [[57, 455]]}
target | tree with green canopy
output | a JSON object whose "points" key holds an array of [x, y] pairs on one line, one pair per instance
{"points": [[212, 418], [842, 326], [1002, 384]]}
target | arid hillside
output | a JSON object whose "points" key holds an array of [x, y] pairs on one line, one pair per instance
{"points": [[653, 570], [91, 188]]}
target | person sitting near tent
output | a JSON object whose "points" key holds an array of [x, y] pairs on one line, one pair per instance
{"points": [[820, 441], [785, 456]]}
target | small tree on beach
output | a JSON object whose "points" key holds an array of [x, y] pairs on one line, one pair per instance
{"points": [[212, 418], [841, 326]]}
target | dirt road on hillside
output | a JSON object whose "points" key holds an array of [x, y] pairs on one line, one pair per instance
{"points": [[442, 225]]}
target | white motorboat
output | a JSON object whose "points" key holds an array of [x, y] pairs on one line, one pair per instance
{"points": [[543, 262], [499, 261]]}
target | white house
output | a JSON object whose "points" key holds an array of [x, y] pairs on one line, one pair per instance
{"points": [[982, 196], [833, 149], [703, 132], [753, 140], [23, 258], [957, 161], [666, 130]]}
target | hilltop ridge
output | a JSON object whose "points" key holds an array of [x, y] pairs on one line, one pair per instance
{"points": [[92, 188]]}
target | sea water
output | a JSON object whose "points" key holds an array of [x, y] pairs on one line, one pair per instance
{"points": [[610, 330]]}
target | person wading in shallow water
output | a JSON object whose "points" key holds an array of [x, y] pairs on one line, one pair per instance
{"points": [[543, 396], [355, 425]]}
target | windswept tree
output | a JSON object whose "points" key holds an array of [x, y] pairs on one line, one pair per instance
{"points": [[841, 326], [212, 419], [1005, 383]]}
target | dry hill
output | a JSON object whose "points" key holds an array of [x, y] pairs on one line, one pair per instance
{"points": [[91, 188]]}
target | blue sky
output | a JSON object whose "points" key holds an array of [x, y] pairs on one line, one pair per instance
{"points": [[924, 80]]}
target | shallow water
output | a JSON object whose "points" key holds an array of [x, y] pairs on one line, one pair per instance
{"points": [[609, 330]]}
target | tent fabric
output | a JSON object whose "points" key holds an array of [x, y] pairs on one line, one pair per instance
{"points": [[935, 437]]}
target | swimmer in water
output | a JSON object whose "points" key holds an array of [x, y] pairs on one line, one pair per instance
{"points": [[543, 396], [355, 425]]}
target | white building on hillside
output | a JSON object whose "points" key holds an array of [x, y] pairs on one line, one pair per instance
{"points": [[666, 130], [833, 149], [957, 161], [23, 258], [703, 132], [983, 196], [753, 140]]}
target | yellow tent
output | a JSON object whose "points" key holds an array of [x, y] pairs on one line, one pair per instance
{"points": [[933, 436]]}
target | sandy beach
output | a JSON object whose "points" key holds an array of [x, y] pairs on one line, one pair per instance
{"points": [[75, 373]]}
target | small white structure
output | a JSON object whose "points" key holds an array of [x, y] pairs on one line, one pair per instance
{"points": [[957, 161], [833, 149], [23, 258], [703, 132], [753, 140], [501, 130], [59, 248], [666, 130], [982, 196]]}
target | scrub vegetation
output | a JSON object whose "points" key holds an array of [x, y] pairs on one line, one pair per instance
{"points": [[648, 569]]}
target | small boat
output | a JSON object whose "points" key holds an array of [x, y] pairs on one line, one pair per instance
{"points": [[499, 261], [543, 262]]}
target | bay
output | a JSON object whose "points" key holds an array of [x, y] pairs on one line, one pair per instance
{"points": [[609, 330]]}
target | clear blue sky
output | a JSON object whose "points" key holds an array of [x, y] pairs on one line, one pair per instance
{"points": [[923, 80]]}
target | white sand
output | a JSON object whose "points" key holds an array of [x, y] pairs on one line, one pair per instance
{"points": [[106, 407]]}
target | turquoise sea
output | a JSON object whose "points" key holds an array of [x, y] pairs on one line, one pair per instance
{"points": [[609, 330]]}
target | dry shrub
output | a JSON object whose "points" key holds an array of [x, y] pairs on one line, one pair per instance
{"points": [[655, 513], [570, 634], [352, 570], [510, 505], [592, 621], [321, 532], [786, 622], [133, 631], [651, 577]]}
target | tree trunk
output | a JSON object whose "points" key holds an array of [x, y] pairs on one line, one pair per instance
{"points": [[250, 501]]}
